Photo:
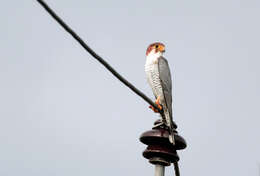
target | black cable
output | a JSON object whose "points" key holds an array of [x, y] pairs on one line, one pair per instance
{"points": [[176, 169], [96, 56]]}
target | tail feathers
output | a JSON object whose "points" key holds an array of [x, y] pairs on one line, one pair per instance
{"points": [[171, 138], [169, 123]]}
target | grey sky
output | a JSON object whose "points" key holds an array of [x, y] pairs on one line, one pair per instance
{"points": [[63, 114]]}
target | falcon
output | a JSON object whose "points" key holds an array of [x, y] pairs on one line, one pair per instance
{"points": [[159, 78]]}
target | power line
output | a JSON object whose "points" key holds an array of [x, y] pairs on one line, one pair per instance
{"points": [[176, 168]]}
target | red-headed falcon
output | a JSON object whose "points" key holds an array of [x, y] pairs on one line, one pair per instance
{"points": [[159, 78]]}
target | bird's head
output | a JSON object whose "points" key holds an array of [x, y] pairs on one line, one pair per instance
{"points": [[156, 48]]}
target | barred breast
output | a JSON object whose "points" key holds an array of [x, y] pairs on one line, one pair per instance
{"points": [[152, 74]]}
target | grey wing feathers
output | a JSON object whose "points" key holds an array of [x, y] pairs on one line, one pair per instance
{"points": [[166, 82]]}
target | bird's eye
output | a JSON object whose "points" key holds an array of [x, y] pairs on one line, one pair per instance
{"points": [[156, 46]]}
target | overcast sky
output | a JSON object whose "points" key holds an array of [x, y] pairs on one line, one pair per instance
{"points": [[63, 114]]}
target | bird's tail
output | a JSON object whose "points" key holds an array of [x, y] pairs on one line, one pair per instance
{"points": [[171, 137], [169, 123]]}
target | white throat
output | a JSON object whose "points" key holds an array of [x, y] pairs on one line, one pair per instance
{"points": [[152, 57]]}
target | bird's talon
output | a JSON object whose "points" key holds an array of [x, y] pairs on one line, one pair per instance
{"points": [[154, 110]]}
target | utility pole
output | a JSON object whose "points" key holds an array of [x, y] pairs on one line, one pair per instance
{"points": [[159, 170], [160, 152]]}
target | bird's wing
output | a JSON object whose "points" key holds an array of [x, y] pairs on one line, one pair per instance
{"points": [[166, 82]]}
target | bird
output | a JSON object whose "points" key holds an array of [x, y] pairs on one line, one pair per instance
{"points": [[159, 78]]}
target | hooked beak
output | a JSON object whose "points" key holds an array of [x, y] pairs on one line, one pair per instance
{"points": [[161, 48]]}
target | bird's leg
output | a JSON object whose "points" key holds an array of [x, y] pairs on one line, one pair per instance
{"points": [[157, 102]]}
